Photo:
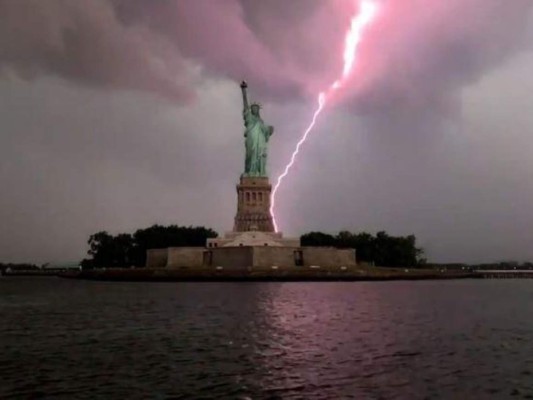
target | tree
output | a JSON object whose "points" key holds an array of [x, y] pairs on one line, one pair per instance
{"points": [[365, 244], [109, 251], [318, 239], [125, 250], [382, 249], [161, 237]]}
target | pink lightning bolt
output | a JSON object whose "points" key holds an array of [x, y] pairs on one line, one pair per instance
{"points": [[367, 13]]}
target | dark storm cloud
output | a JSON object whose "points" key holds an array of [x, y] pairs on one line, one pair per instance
{"points": [[138, 45], [267, 43], [83, 42], [416, 54]]}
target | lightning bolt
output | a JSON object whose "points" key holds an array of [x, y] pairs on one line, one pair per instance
{"points": [[367, 13]]}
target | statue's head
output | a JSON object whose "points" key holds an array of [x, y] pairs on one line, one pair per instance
{"points": [[255, 107]]}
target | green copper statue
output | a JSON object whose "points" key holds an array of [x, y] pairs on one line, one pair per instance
{"points": [[256, 136]]}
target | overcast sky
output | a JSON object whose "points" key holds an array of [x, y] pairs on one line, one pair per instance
{"points": [[118, 114]]}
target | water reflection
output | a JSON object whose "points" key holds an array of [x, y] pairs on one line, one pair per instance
{"points": [[265, 340], [344, 343]]}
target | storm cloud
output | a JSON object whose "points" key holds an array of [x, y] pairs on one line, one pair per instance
{"points": [[116, 114], [416, 52]]}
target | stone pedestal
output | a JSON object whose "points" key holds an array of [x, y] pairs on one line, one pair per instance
{"points": [[253, 205]]}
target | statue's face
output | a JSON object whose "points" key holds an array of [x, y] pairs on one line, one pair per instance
{"points": [[255, 110]]}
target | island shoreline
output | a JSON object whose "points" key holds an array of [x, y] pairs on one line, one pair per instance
{"points": [[155, 275]]}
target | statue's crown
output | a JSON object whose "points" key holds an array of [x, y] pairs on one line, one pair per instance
{"points": [[257, 105]]}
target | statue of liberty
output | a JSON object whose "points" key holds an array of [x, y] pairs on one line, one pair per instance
{"points": [[256, 136]]}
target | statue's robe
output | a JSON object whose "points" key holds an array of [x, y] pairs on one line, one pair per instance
{"points": [[257, 135]]}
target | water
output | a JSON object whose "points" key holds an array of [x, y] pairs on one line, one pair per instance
{"points": [[390, 340]]}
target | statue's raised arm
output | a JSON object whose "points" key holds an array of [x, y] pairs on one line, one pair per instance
{"points": [[244, 85]]}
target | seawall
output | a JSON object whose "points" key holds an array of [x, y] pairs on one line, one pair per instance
{"points": [[293, 274]]}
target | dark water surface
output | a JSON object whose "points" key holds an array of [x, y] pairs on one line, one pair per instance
{"points": [[391, 340]]}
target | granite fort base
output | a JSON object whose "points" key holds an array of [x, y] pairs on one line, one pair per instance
{"points": [[245, 257]]}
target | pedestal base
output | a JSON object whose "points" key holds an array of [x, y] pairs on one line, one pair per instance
{"points": [[253, 205]]}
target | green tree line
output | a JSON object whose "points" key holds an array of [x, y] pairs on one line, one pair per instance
{"points": [[129, 250], [18, 266], [381, 249]]}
